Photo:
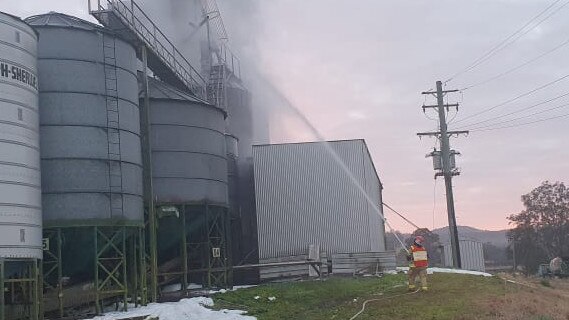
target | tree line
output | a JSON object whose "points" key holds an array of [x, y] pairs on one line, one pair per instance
{"points": [[541, 231]]}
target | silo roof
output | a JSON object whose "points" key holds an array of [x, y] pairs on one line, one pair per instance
{"points": [[161, 90], [56, 19]]}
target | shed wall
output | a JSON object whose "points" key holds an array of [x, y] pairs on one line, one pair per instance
{"points": [[304, 196], [471, 254]]}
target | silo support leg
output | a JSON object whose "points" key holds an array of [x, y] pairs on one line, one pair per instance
{"points": [[184, 249], [3, 298], [136, 266], [35, 283], [124, 270], [110, 269], [216, 221], [52, 267], [142, 267], [96, 280]]}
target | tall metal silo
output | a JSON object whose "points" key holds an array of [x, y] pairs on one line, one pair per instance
{"points": [[91, 158], [190, 184], [20, 190], [240, 124]]}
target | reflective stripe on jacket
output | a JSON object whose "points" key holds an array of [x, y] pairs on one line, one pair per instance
{"points": [[420, 258]]}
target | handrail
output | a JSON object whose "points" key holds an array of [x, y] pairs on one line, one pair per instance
{"points": [[209, 7], [134, 17]]}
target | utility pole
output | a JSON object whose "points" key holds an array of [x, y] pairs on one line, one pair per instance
{"points": [[444, 163]]}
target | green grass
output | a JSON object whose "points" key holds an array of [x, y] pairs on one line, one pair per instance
{"points": [[450, 297]]}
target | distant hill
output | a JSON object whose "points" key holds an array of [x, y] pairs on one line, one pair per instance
{"points": [[497, 238]]}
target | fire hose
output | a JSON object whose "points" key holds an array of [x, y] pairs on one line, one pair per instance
{"points": [[380, 299]]}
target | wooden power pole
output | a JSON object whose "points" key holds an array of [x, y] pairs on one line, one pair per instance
{"points": [[444, 163]]}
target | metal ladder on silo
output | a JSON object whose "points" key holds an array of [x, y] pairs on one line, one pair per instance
{"points": [[113, 120]]}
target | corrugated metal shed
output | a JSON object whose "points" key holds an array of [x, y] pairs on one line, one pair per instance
{"points": [[304, 196], [471, 254]]}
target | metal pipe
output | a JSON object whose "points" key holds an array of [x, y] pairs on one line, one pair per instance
{"points": [[147, 159], [277, 264]]}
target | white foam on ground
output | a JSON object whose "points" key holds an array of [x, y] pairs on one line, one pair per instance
{"points": [[185, 309], [234, 289], [448, 270]]}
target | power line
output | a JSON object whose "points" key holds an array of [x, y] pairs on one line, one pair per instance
{"points": [[514, 99], [526, 123], [508, 40], [520, 118], [500, 75], [514, 112]]}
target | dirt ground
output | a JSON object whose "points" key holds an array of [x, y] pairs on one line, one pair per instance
{"points": [[530, 298]]}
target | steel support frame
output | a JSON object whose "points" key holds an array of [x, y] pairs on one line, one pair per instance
{"points": [[110, 264], [28, 284], [119, 264], [218, 236], [52, 268], [216, 228]]}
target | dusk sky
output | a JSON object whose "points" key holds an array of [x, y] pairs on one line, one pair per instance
{"points": [[356, 70]]}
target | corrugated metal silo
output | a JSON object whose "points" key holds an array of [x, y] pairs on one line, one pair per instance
{"points": [[90, 158], [20, 192], [189, 161], [240, 124], [190, 185], [89, 124]]}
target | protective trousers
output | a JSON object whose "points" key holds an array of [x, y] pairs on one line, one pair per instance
{"points": [[413, 273]]}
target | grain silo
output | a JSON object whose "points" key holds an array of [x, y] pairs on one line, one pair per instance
{"points": [[20, 191], [240, 124], [189, 176], [91, 160]]}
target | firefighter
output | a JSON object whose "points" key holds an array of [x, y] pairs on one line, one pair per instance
{"points": [[418, 263]]}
